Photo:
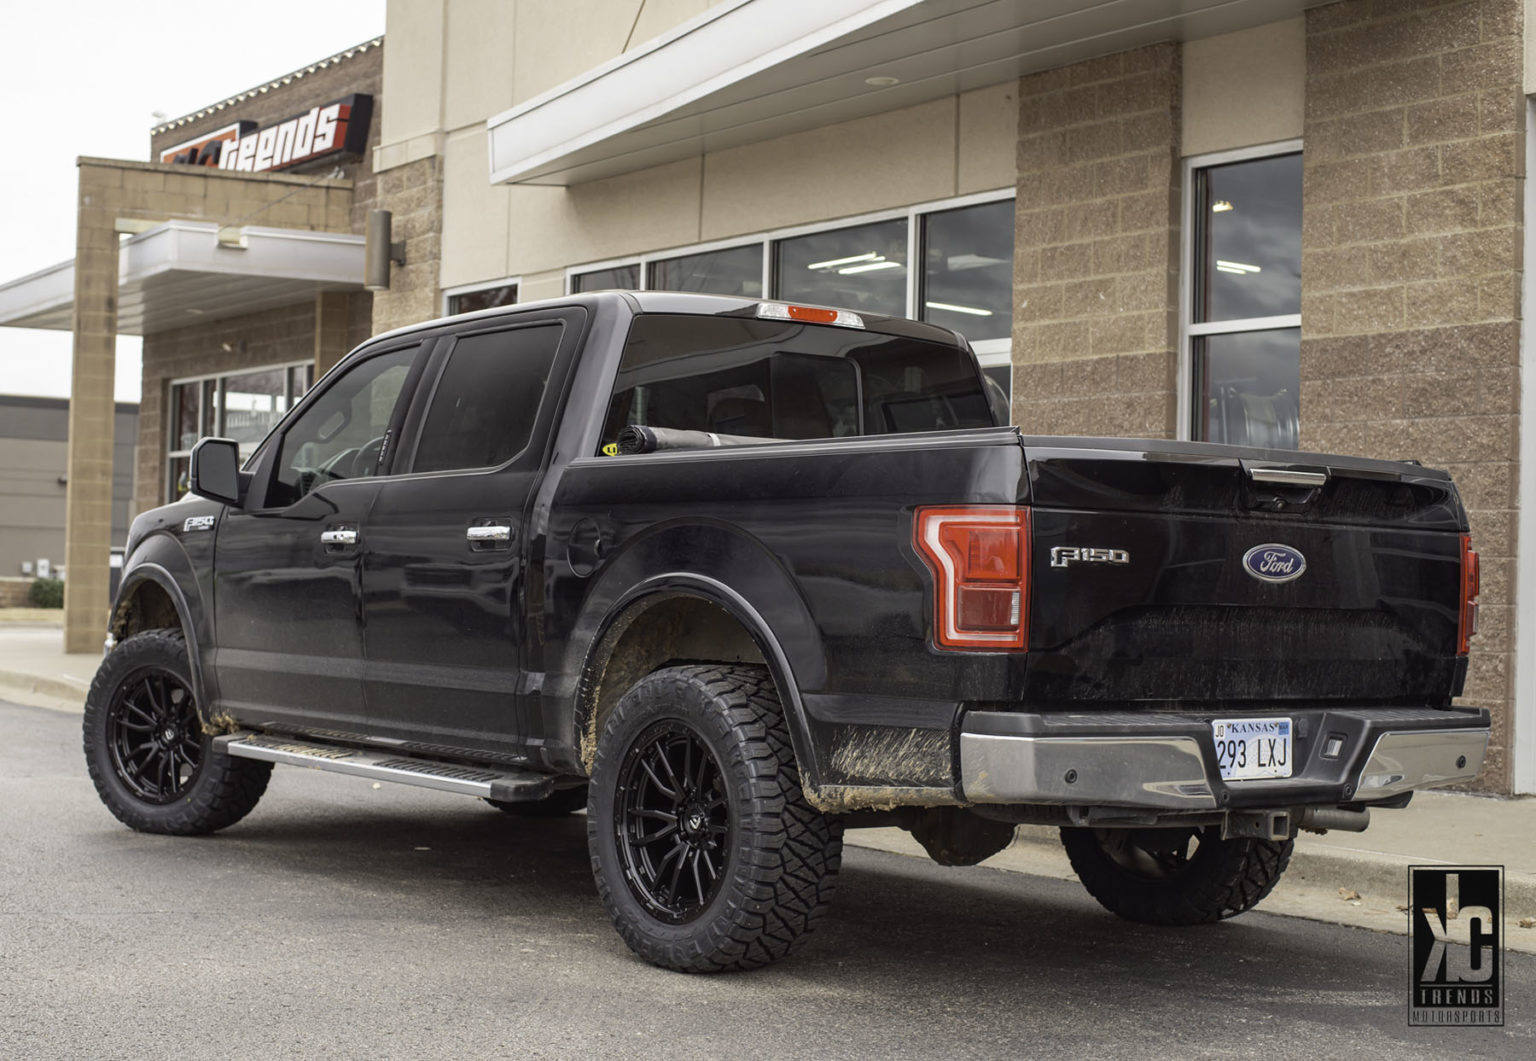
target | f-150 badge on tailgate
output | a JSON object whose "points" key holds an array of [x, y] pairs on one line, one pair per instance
{"points": [[1274, 562], [1066, 555]]}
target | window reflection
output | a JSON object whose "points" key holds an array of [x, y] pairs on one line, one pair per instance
{"points": [[619, 278], [486, 298], [737, 271], [968, 270], [1248, 219], [862, 267], [253, 403], [1247, 385]]}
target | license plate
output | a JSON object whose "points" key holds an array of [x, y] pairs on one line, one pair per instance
{"points": [[1249, 748]]}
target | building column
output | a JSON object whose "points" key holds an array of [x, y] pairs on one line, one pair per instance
{"points": [[332, 309], [88, 494], [1096, 244], [1411, 272]]}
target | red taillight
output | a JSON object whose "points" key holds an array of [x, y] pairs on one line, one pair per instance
{"points": [[979, 556], [1471, 586]]}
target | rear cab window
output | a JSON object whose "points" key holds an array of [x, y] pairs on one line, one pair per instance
{"points": [[785, 380]]}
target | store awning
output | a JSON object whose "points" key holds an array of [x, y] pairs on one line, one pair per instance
{"points": [[750, 70], [183, 272]]}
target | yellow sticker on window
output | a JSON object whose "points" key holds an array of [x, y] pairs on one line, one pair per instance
{"points": [[611, 449]]}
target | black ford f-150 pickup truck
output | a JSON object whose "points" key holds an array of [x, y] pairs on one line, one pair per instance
{"points": [[735, 575]]}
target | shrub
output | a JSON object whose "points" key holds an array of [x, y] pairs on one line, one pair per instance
{"points": [[47, 593]]}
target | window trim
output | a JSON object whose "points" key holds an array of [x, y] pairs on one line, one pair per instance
{"points": [[480, 285], [1188, 330]]}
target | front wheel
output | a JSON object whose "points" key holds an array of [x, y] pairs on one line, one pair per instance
{"points": [[153, 763], [1187, 876], [706, 853]]}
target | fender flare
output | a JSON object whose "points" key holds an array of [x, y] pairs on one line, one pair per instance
{"points": [[716, 592], [151, 572]]}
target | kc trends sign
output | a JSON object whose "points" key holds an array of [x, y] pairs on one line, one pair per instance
{"points": [[340, 127]]}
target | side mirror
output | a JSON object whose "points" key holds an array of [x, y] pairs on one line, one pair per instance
{"points": [[215, 471]]}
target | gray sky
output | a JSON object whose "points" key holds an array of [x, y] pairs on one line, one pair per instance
{"points": [[84, 77]]}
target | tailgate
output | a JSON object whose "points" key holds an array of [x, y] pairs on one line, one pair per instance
{"points": [[1196, 574]]}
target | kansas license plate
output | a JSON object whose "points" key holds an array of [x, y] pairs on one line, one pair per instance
{"points": [[1248, 748]]}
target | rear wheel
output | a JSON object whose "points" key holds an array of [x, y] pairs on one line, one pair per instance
{"points": [[1184, 876], [706, 853], [151, 760]]}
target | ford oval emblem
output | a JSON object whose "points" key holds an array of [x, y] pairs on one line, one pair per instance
{"points": [[1274, 562]]}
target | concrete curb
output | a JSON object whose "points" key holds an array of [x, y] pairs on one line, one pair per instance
{"points": [[1373, 874], [62, 689]]}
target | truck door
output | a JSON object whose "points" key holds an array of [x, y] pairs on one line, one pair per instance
{"points": [[286, 595], [444, 588]]}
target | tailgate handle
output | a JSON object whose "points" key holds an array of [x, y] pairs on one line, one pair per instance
{"points": [[1287, 476]]}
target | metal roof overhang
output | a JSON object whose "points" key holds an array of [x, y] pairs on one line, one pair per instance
{"points": [[179, 273], [750, 70]]}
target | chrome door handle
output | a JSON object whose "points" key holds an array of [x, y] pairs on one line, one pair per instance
{"points": [[489, 534], [344, 536]]}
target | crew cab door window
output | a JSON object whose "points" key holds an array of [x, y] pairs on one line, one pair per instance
{"points": [[344, 434], [483, 408]]}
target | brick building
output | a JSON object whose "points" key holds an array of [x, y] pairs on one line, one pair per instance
{"points": [[1282, 223]]}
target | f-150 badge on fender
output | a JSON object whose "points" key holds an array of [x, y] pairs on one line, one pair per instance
{"points": [[196, 523], [1274, 562]]}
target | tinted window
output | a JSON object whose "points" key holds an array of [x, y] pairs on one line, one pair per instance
{"points": [[486, 400], [968, 270], [772, 379], [1249, 239], [341, 435]]}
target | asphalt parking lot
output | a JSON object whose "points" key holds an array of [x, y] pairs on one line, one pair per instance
{"points": [[343, 920]]}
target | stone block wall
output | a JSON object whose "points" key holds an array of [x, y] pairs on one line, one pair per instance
{"points": [[1096, 246], [413, 192], [1411, 269]]}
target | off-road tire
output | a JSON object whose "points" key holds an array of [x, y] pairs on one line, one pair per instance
{"points": [[779, 855], [557, 804], [1220, 879], [212, 791]]}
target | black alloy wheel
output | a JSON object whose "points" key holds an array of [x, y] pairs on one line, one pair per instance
{"points": [[152, 761], [706, 853], [673, 826], [154, 736]]}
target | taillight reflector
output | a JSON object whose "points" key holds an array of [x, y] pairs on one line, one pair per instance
{"points": [[979, 557], [1471, 586], [781, 311]]}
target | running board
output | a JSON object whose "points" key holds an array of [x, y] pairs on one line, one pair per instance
{"points": [[506, 784]]}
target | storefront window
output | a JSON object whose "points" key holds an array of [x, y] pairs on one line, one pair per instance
{"points": [[737, 271], [243, 406], [966, 281], [619, 278], [862, 267], [1244, 331], [485, 298], [968, 270]]}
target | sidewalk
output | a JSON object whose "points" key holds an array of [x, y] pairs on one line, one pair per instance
{"points": [[1347, 878], [34, 668]]}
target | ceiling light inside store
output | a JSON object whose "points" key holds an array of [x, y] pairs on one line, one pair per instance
{"points": [[974, 311], [1220, 206], [960, 262], [832, 263], [869, 267], [882, 81], [1236, 267]]}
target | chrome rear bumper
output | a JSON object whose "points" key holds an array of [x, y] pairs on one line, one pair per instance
{"points": [[1167, 762]]}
